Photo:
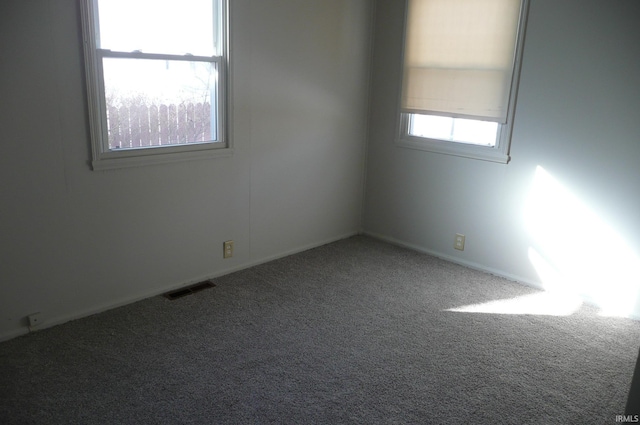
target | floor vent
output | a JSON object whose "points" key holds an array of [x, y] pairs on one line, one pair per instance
{"points": [[178, 293]]}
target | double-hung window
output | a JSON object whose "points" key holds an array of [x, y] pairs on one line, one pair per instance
{"points": [[460, 76], [157, 80]]}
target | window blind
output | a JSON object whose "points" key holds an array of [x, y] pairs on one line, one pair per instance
{"points": [[459, 57]]}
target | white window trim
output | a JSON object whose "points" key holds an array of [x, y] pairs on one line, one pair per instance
{"points": [[105, 159], [498, 153]]}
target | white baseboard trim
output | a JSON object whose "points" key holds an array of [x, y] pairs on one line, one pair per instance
{"points": [[14, 333], [462, 262], [479, 267], [58, 320]]}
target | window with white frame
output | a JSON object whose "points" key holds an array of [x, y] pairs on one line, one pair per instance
{"points": [[460, 76], [156, 77]]}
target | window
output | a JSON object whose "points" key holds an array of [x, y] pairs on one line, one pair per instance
{"points": [[156, 78], [460, 76]]}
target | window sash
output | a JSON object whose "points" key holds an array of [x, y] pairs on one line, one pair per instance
{"points": [[102, 157], [182, 27], [459, 57], [456, 130], [497, 153], [217, 62]]}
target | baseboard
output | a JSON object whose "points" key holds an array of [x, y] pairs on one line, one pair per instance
{"points": [[462, 262], [15, 333], [54, 321], [477, 266], [58, 320]]}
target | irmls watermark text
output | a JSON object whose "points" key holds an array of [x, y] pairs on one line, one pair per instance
{"points": [[627, 418]]}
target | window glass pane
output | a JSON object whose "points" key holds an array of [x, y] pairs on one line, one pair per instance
{"points": [[454, 129], [475, 132], [430, 126], [153, 26], [159, 102]]}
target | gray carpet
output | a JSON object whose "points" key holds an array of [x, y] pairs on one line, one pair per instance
{"points": [[352, 332]]}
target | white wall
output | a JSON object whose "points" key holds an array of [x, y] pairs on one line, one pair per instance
{"points": [[577, 117], [76, 241]]}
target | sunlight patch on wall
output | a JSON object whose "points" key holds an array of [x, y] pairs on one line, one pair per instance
{"points": [[575, 252], [541, 303]]}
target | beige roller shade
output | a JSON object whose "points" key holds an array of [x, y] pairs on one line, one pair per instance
{"points": [[459, 57]]}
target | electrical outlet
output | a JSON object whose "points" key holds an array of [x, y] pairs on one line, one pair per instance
{"points": [[459, 242], [228, 249], [34, 320]]}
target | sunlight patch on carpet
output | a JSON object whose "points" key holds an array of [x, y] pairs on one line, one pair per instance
{"points": [[542, 303]]}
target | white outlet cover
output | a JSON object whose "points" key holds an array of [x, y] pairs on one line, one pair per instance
{"points": [[34, 320]]}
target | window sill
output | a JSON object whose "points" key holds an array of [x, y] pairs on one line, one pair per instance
{"points": [[483, 153], [152, 156]]}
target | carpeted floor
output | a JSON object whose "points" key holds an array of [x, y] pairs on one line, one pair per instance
{"points": [[358, 331]]}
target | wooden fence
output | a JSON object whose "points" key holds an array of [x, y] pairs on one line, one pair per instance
{"points": [[139, 126]]}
